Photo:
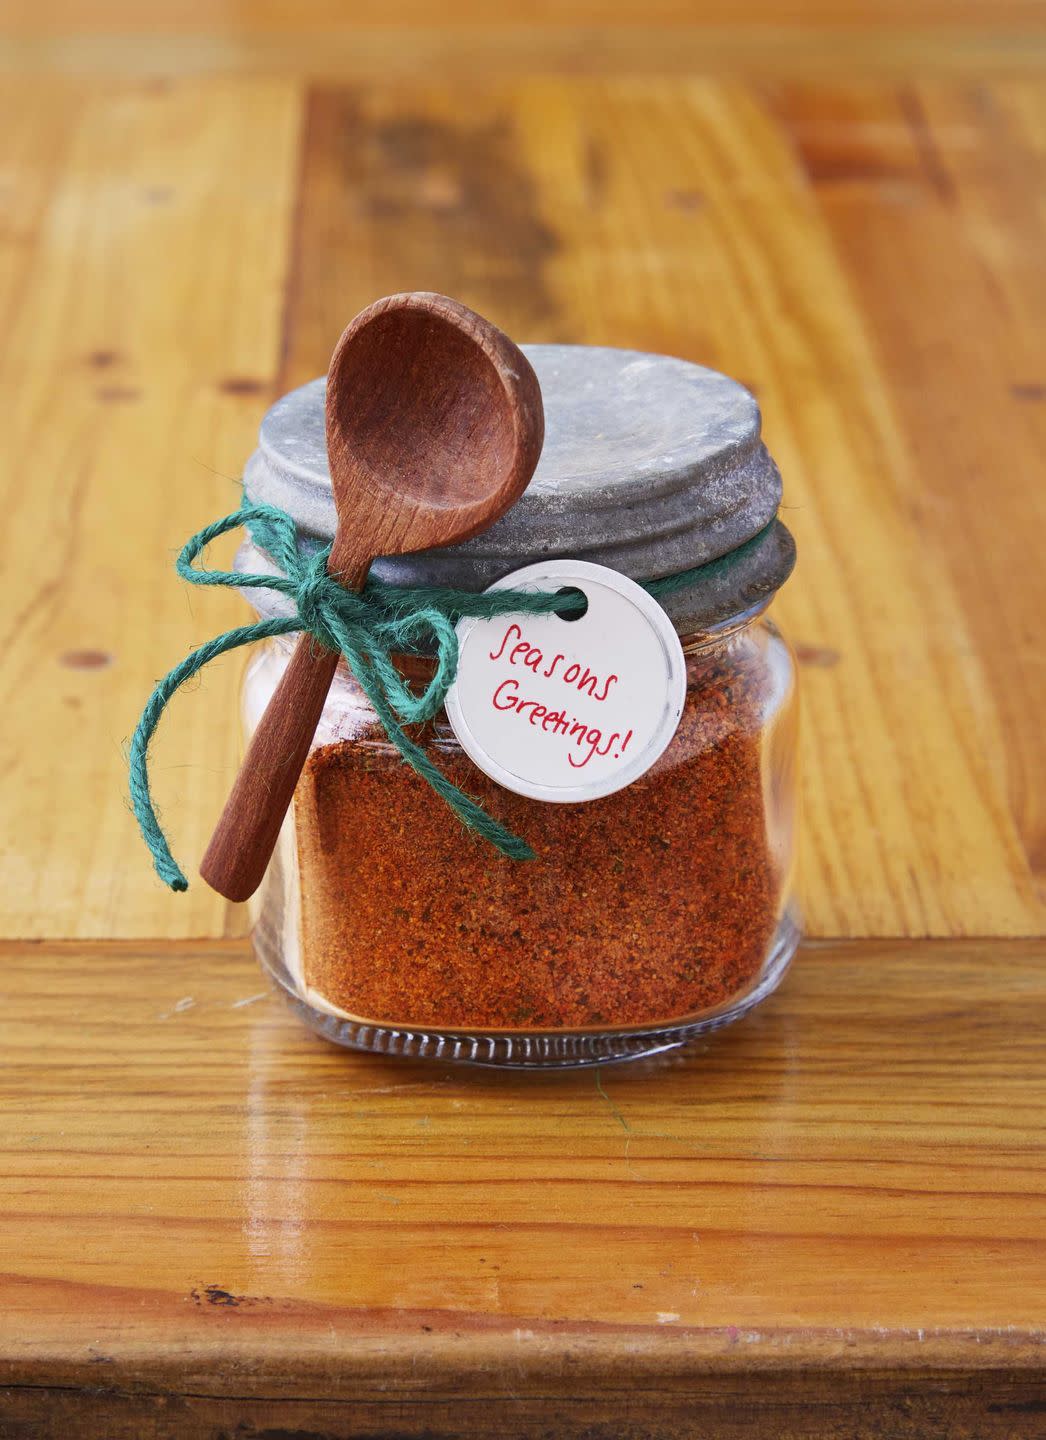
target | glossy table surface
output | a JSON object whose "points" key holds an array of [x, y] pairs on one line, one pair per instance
{"points": [[825, 1222]]}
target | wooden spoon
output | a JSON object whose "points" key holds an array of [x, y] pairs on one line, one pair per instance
{"points": [[434, 427]]}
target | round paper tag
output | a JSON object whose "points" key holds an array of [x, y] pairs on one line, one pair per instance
{"points": [[569, 709]]}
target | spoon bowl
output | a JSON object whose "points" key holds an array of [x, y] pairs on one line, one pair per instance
{"points": [[467, 430]]}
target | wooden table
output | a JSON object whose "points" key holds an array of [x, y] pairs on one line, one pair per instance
{"points": [[827, 1222]]}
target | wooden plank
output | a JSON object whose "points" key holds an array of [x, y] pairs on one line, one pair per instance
{"points": [[339, 41], [936, 193], [676, 218], [667, 217], [109, 17], [834, 1205], [141, 277], [791, 1406], [461, 53]]}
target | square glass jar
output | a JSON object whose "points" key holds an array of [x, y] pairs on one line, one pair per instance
{"points": [[650, 915]]}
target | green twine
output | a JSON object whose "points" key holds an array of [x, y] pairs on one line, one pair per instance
{"points": [[368, 629]]}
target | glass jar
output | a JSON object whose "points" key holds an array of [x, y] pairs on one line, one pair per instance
{"points": [[650, 915]]}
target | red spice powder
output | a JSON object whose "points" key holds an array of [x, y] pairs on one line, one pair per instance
{"points": [[647, 905]]}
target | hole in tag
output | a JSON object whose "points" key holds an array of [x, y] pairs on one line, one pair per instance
{"points": [[572, 611]]}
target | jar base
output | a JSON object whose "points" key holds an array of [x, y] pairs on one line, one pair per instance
{"points": [[545, 1050]]}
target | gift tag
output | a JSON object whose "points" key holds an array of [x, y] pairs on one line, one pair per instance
{"points": [[569, 709]]}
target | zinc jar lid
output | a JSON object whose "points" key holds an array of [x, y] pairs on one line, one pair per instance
{"points": [[651, 465]]}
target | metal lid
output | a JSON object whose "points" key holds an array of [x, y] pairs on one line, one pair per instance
{"points": [[651, 465]]}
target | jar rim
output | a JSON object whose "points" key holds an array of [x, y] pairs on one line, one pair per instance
{"points": [[710, 607]]}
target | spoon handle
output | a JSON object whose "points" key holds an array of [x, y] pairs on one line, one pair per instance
{"points": [[245, 836]]}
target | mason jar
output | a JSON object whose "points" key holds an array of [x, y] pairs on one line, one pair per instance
{"points": [[648, 916]]}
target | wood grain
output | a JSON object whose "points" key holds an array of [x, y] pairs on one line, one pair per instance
{"points": [[405, 39], [107, 17], [937, 193], [715, 1407], [141, 281], [202, 1199]]}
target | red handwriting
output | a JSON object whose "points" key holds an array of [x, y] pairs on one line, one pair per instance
{"points": [[558, 722], [533, 658]]}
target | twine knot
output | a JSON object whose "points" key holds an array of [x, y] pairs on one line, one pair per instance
{"points": [[310, 595]]}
